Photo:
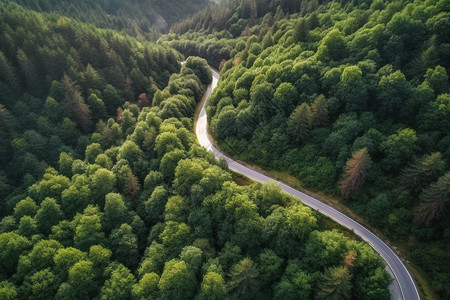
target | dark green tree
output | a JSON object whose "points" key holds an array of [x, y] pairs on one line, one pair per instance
{"points": [[244, 278], [335, 284]]}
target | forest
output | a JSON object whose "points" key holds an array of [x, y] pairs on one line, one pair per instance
{"points": [[105, 193], [350, 97], [139, 18]]}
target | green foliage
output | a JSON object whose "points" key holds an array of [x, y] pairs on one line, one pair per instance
{"points": [[119, 285], [213, 286], [188, 231], [244, 278], [177, 281], [146, 288], [299, 123], [335, 284], [123, 243], [11, 247], [88, 229], [133, 17], [435, 199], [82, 278], [7, 290], [294, 284], [48, 214]]}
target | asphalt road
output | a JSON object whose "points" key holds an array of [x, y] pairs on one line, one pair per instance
{"points": [[402, 287]]}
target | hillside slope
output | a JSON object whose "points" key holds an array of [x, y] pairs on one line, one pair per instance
{"points": [[350, 97], [135, 17], [59, 80]]}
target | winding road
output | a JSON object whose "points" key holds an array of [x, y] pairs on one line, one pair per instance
{"points": [[402, 287]]}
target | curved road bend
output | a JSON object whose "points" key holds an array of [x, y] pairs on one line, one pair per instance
{"points": [[403, 287]]}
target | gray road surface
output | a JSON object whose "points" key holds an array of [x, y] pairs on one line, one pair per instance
{"points": [[402, 287]]}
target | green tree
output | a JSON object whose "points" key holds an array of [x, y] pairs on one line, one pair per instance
{"points": [[146, 288], [300, 221], [8, 291], [399, 148], [393, 93], [335, 284], [192, 256], [170, 161], [88, 230], [213, 286], [352, 89], [175, 235], [102, 182], [82, 279], [27, 227], [115, 212], [294, 284], [270, 266], [25, 207], [177, 208], [75, 104], [39, 258], [64, 259], [65, 164], [200, 68], [299, 123], [154, 206], [48, 214], [100, 257], [63, 232], [12, 246], [378, 209], [438, 79], [119, 285], [261, 97], [226, 123], [77, 196], [177, 282], [434, 200], [123, 243], [286, 97], [244, 276], [332, 46], [153, 261], [166, 142], [41, 285], [92, 151], [319, 112], [423, 171]]}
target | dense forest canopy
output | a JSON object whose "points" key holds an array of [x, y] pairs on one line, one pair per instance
{"points": [[105, 193], [58, 79], [351, 97], [146, 18]]}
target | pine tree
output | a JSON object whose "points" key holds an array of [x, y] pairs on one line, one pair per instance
{"points": [[435, 199], [423, 171], [299, 123], [244, 278], [75, 104], [335, 284], [319, 112], [7, 72], [355, 173], [29, 73]]}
